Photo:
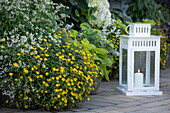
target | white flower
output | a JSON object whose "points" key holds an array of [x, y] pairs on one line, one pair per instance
{"points": [[102, 13]]}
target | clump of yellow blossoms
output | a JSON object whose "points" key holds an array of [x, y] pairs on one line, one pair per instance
{"points": [[52, 77], [41, 67]]}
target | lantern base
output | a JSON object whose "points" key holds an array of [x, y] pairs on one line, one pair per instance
{"points": [[139, 93]]}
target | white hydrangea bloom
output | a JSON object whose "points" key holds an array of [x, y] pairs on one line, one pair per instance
{"points": [[102, 13]]}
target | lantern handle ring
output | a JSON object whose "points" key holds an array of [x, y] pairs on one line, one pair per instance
{"points": [[127, 28]]}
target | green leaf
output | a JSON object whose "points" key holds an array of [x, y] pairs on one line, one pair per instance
{"points": [[97, 58], [74, 33], [66, 11], [108, 62], [82, 4], [105, 72], [101, 51], [76, 42], [162, 18], [97, 30], [85, 26], [106, 59], [91, 46], [107, 75], [82, 19], [128, 1], [77, 13], [85, 40], [140, 4], [149, 21], [73, 2], [91, 17], [111, 45], [118, 21], [74, 17]]}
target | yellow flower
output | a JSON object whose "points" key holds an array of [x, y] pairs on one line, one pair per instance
{"points": [[68, 84], [47, 55], [73, 58], [57, 85], [43, 82], [61, 69], [19, 61], [46, 91], [26, 98], [44, 66], [46, 85], [2, 47], [31, 53], [3, 39], [16, 79], [88, 99], [27, 33], [65, 101], [45, 51], [37, 76], [56, 90], [37, 72], [30, 79], [6, 101], [38, 56], [28, 91], [45, 40], [10, 74], [63, 79], [37, 91], [58, 96], [25, 70], [32, 69], [18, 54], [21, 77], [42, 48], [55, 107], [15, 64], [26, 106], [53, 78], [46, 73], [41, 59], [45, 59], [22, 51], [75, 79], [57, 78], [41, 76], [42, 91], [55, 36]]}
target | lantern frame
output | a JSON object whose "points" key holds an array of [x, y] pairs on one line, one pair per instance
{"points": [[143, 44]]}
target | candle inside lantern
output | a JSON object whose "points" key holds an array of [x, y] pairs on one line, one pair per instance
{"points": [[138, 79]]}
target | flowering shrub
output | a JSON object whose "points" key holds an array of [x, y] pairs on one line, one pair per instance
{"points": [[164, 45], [41, 66]]}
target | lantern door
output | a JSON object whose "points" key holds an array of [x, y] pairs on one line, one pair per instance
{"points": [[144, 69]]}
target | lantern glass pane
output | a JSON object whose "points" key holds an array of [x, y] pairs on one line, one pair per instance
{"points": [[145, 62], [124, 66]]}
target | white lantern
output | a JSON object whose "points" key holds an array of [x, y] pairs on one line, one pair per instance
{"points": [[139, 61]]}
